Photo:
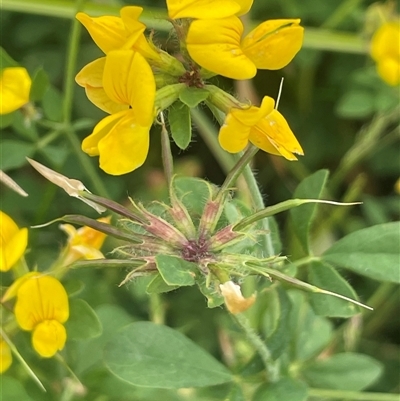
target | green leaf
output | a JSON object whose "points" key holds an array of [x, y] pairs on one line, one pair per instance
{"points": [[277, 315], [326, 277], [286, 389], [310, 333], [40, 83], [180, 124], [345, 371], [6, 120], [14, 153], [12, 390], [193, 96], [89, 351], [6, 60], [356, 104], [52, 104], [302, 217], [83, 322], [175, 270], [150, 355], [158, 286], [214, 298], [193, 192], [372, 252]]}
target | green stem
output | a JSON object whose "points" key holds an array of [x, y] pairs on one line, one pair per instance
{"points": [[69, 85], [351, 395], [209, 134], [168, 161], [157, 312], [271, 366]]}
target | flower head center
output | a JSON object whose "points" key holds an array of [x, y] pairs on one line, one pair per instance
{"points": [[192, 78], [196, 250]]}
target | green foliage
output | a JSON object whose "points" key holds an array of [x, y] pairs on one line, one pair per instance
{"points": [[150, 355], [284, 389], [371, 252], [180, 124], [176, 271]]}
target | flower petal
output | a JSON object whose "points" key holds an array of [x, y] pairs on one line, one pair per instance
{"points": [[90, 143], [389, 70], [234, 300], [385, 42], [274, 43], [41, 298], [92, 74], [215, 45], [204, 9], [5, 356], [49, 337], [274, 130], [128, 79], [233, 135], [108, 32], [125, 147], [13, 242], [15, 85]]}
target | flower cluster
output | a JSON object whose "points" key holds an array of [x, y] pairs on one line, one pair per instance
{"points": [[41, 305], [136, 80], [385, 50]]}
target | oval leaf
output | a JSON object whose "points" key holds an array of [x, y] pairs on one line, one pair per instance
{"points": [[193, 96], [180, 124], [175, 271], [371, 252], [285, 389], [326, 277], [150, 355], [83, 322], [345, 371], [302, 217]]}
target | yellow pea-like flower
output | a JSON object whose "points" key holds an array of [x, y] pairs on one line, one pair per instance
{"points": [[42, 307], [207, 9], [5, 356], [15, 86], [84, 242], [263, 126], [13, 242], [385, 50], [217, 45], [122, 139]]}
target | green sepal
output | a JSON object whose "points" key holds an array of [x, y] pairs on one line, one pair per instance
{"points": [[193, 96], [180, 124]]}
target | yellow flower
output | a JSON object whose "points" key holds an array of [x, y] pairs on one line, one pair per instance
{"points": [[5, 356], [385, 50], [42, 307], [13, 242], [263, 126], [84, 242], [114, 33], [217, 45], [122, 139], [15, 85], [234, 300], [207, 8]]}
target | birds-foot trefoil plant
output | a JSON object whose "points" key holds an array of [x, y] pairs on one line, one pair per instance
{"points": [[220, 240]]}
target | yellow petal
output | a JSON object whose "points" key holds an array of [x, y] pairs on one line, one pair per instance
{"points": [[274, 43], [89, 236], [274, 130], [245, 6], [15, 85], [233, 135], [13, 242], [90, 143], [100, 99], [130, 15], [41, 298], [125, 147], [107, 32], [5, 356], [48, 337], [389, 70], [92, 74], [128, 79], [386, 42], [204, 9], [12, 291], [215, 45]]}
